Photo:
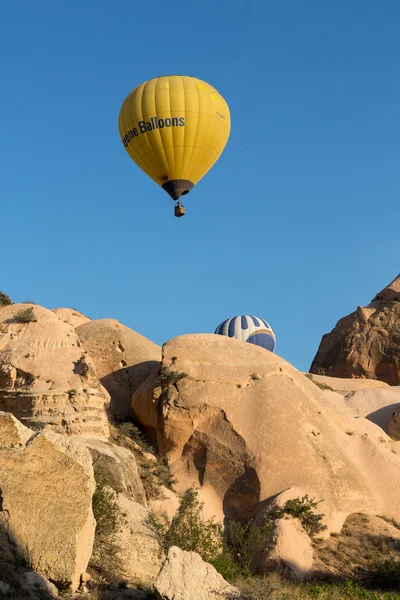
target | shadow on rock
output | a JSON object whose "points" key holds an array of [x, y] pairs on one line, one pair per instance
{"points": [[122, 384], [382, 416], [17, 581], [241, 500]]}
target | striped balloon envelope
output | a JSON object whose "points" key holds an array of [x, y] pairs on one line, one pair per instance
{"points": [[249, 329]]}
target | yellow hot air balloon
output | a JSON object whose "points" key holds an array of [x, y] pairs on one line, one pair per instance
{"points": [[175, 128]]}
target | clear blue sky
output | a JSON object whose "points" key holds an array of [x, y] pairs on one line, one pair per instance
{"points": [[298, 222]]}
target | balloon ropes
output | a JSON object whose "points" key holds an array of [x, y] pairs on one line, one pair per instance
{"points": [[249, 329], [174, 128]]}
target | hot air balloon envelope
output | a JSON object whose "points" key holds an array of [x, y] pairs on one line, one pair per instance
{"points": [[174, 128], [249, 329]]}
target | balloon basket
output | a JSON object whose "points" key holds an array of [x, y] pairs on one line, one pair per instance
{"points": [[179, 211]]}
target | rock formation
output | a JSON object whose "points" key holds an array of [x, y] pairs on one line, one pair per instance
{"points": [[366, 343], [291, 549], [46, 519], [235, 421], [244, 425], [71, 316], [376, 405], [367, 398], [185, 575], [345, 386], [116, 467], [46, 377], [122, 357]]}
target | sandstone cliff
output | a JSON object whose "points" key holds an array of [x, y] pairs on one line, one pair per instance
{"points": [[366, 343]]}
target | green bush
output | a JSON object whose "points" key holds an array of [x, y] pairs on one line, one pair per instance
{"points": [[302, 509], [105, 509], [154, 474], [25, 316], [130, 430], [385, 574], [163, 473], [226, 564], [322, 371], [4, 299], [169, 377], [246, 539], [84, 368], [189, 530]]}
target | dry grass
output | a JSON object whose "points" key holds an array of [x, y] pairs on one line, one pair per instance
{"points": [[274, 587], [363, 540], [107, 592], [322, 386]]}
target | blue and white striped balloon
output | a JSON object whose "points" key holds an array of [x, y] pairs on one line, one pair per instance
{"points": [[249, 329]]}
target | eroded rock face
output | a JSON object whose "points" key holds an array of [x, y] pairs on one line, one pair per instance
{"points": [[13, 433], [71, 316], [346, 386], [243, 425], [117, 468], [185, 575], [366, 343], [46, 377], [123, 359], [46, 519], [376, 405]]}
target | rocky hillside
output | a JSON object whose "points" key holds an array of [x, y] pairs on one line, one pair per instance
{"points": [[245, 426], [366, 343], [187, 473]]}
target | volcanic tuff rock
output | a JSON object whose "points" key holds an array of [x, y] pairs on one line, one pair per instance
{"points": [[123, 359], [46, 377], [369, 398], [291, 549], [376, 405], [244, 425], [185, 575], [21, 583], [116, 467], [366, 343], [346, 386], [71, 316], [46, 519]]}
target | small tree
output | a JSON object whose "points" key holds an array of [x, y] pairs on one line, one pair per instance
{"points": [[189, 530], [246, 539], [105, 509], [4, 299]]}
